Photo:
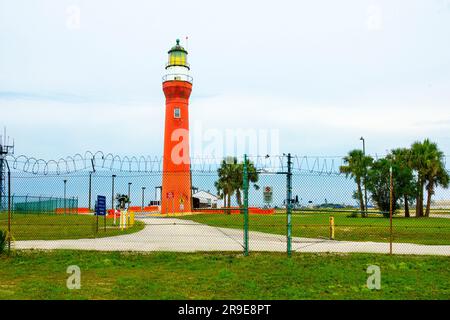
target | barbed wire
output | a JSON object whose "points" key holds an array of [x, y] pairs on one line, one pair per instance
{"points": [[99, 160]]}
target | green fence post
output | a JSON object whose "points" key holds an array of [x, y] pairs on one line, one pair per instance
{"points": [[245, 187], [288, 207]]}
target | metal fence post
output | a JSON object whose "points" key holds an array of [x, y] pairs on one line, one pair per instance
{"points": [[391, 200], [245, 187], [289, 207], [9, 207]]}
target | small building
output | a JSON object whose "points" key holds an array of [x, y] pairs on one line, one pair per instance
{"points": [[205, 199]]}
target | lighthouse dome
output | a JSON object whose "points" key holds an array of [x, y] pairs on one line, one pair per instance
{"points": [[177, 56]]}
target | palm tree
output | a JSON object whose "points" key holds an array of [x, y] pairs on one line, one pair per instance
{"points": [[122, 200], [252, 177], [231, 179], [356, 166], [428, 161], [405, 184], [436, 176], [226, 184], [417, 161]]}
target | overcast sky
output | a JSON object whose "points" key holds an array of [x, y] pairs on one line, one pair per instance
{"points": [[319, 73]]}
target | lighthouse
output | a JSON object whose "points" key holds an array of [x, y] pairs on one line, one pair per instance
{"points": [[176, 177]]}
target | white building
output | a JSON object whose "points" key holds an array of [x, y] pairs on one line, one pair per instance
{"points": [[207, 200]]}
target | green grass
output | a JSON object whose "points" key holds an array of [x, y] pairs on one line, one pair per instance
{"points": [[57, 226], [107, 275], [316, 225]]}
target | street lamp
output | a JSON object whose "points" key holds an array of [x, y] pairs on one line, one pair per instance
{"points": [[65, 188], [90, 183], [365, 176], [143, 197], [129, 194], [112, 198]]}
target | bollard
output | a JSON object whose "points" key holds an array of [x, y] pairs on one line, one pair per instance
{"points": [[331, 228], [131, 219]]}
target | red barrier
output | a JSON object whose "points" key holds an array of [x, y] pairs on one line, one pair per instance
{"points": [[146, 209], [73, 211], [236, 210]]}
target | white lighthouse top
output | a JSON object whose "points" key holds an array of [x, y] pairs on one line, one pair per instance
{"points": [[177, 67]]}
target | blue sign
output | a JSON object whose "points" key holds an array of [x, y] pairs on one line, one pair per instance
{"points": [[100, 208]]}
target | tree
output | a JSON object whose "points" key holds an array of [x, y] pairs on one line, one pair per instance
{"points": [[436, 176], [379, 185], [356, 166], [252, 178], [231, 179], [404, 176], [122, 200], [226, 185], [427, 160]]}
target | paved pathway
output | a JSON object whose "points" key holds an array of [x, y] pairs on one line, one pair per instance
{"points": [[440, 215], [170, 234]]}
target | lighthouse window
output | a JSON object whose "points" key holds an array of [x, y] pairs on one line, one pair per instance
{"points": [[177, 113]]}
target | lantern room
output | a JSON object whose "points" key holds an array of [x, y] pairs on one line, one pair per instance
{"points": [[177, 67], [177, 56]]}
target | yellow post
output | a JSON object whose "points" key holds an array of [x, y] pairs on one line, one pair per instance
{"points": [[130, 219], [332, 228]]}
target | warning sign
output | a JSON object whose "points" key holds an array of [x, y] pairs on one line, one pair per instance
{"points": [[268, 194]]}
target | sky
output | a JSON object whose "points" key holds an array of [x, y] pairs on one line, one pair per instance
{"points": [[310, 76]]}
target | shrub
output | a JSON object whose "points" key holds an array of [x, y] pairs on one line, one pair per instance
{"points": [[2, 241], [354, 214]]}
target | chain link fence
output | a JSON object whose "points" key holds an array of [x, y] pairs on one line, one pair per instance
{"points": [[286, 209]]}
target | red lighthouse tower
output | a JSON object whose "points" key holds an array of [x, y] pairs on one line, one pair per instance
{"points": [[176, 179]]}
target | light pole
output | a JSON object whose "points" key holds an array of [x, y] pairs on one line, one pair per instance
{"points": [[112, 198], [90, 183], [90, 189], [365, 176], [143, 197], [65, 189], [129, 194]]}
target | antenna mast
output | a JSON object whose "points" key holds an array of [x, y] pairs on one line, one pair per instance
{"points": [[5, 149]]}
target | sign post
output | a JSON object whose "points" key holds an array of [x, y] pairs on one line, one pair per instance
{"points": [[100, 210], [268, 195]]}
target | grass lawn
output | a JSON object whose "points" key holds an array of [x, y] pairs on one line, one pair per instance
{"points": [[316, 225], [115, 275], [57, 226]]}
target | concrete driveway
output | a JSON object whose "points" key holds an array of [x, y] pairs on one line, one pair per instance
{"points": [[170, 234]]}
